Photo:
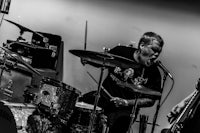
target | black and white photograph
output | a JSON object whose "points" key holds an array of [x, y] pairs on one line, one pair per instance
{"points": [[99, 66]]}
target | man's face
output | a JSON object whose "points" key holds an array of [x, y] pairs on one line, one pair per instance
{"points": [[149, 53]]}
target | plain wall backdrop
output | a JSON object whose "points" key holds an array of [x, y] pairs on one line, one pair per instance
{"points": [[111, 23]]}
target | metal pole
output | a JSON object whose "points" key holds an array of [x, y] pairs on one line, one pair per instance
{"points": [[93, 115], [132, 115], [158, 105]]}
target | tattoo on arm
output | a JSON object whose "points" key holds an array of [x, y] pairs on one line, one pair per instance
{"points": [[142, 102]]}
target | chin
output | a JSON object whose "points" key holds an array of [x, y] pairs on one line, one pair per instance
{"points": [[148, 64]]}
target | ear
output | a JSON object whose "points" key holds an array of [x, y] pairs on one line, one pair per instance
{"points": [[142, 46]]}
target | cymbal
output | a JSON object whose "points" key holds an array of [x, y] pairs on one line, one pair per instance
{"points": [[105, 59], [23, 29], [19, 59], [142, 90]]}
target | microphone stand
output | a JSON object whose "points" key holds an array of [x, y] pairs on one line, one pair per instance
{"points": [[158, 104], [133, 113]]}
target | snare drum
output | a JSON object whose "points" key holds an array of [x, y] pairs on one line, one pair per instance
{"points": [[21, 112], [80, 119], [57, 98]]}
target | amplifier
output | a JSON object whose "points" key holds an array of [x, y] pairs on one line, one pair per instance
{"points": [[49, 41]]}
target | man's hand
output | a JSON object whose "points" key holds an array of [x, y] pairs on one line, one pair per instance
{"points": [[176, 110], [119, 101]]}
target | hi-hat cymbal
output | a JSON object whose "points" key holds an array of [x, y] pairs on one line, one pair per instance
{"points": [[105, 59], [20, 60]]}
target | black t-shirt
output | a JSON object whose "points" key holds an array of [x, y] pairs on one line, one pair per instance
{"points": [[119, 81]]}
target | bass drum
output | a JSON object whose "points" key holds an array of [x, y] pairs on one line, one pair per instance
{"points": [[7, 120]]}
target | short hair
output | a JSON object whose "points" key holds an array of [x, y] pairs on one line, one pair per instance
{"points": [[148, 37]]}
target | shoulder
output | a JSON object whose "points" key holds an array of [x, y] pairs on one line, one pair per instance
{"points": [[122, 48], [153, 69]]}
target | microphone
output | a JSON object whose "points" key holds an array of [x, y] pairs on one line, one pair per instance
{"points": [[159, 63]]}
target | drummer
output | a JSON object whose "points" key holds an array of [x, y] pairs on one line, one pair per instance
{"points": [[120, 81]]}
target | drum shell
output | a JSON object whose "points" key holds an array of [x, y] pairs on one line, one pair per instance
{"points": [[61, 99], [80, 119]]}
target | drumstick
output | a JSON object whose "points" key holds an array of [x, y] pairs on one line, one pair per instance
{"points": [[109, 95], [85, 44]]}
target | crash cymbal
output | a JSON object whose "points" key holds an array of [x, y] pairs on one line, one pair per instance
{"points": [[104, 59], [20, 60], [23, 29]]}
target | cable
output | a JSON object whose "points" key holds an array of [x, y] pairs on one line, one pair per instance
{"points": [[168, 93]]}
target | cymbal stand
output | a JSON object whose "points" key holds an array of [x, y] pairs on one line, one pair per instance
{"points": [[93, 115], [133, 114]]}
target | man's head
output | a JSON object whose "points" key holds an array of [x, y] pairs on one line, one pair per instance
{"points": [[150, 46]]}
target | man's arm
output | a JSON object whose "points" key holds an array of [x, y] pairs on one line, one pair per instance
{"points": [[141, 102], [176, 110]]}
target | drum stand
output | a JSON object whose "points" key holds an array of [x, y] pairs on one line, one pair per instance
{"points": [[133, 113], [93, 115]]}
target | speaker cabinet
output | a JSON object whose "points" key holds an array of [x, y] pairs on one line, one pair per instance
{"points": [[49, 55]]}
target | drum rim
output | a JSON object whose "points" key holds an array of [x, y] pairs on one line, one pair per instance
{"points": [[21, 106], [60, 83], [82, 104]]}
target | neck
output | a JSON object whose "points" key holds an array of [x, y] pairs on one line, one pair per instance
{"points": [[136, 56]]}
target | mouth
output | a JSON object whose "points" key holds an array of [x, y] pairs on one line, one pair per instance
{"points": [[150, 62]]}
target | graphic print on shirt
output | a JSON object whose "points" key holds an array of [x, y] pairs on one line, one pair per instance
{"points": [[127, 77]]}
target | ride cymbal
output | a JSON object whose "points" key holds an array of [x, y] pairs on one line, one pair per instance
{"points": [[105, 59]]}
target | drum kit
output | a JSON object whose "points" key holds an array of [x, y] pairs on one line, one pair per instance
{"points": [[108, 60], [57, 101]]}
